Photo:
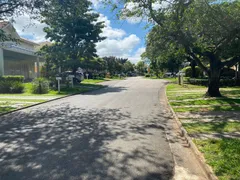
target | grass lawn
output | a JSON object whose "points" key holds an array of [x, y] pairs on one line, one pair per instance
{"points": [[172, 80], [92, 81], [218, 127], [223, 155], [10, 102], [5, 108]]}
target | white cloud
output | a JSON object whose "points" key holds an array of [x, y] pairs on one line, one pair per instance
{"points": [[108, 31], [30, 27], [117, 43], [97, 3], [118, 47], [133, 7], [137, 56]]}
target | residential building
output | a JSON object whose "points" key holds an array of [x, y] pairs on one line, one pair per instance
{"points": [[18, 58]]}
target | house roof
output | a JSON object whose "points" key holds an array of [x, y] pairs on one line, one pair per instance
{"points": [[6, 24]]}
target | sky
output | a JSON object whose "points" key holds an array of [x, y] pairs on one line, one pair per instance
{"points": [[124, 38]]}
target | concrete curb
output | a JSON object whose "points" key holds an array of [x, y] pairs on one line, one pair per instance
{"points": [[19, 109], [208, 170]]}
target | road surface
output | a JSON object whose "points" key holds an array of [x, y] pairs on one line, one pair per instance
{"points": [[116, 133]]}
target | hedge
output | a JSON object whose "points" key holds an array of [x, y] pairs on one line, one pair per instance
{"points": [[12, 78], [223, 82], [11, 87], [188, 71]]}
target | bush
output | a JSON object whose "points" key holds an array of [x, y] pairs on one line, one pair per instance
{"points": [[147, 75], [7, 86], [12, 78], [228, 73], [17, 87], [40, 86], [223, 82], [188, 71]]}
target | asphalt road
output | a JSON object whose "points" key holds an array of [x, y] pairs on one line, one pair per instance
{"points": [[116, 133]]}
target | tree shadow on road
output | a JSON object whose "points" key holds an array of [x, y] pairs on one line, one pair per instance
{"points": [[73, 143], [106, 89]]}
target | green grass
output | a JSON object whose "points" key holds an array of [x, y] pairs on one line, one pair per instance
{"points": [[6, 109], [204, 109], [92, 81], [16, 100], [226, 101], [171, 80], [21, 100], [181, 96], [176, 87], [217, 127], [223, 155]]}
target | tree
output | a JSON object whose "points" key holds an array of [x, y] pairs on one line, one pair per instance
{"points": [[141, 67], [116, 65], [10, 8], [128, 67], [74, 29], [209, 31], [163, 55]]}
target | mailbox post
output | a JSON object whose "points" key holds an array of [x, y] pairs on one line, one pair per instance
{"points": [[59, 79], [180, 78], [71, 77]]}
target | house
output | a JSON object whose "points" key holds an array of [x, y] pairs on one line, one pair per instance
{"points": [[18, 58]]}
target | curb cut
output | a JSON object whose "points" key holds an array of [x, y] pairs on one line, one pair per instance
{"points": [[208, 170], [19, 109]]}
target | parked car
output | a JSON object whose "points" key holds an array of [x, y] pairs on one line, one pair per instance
{"points": [[168, 75], [78, 76]]}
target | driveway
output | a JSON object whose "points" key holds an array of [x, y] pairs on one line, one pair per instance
{"points": [[115, 133]]}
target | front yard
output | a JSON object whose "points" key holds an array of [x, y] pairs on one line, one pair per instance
{"points": [[213, 124], [10, 102]]}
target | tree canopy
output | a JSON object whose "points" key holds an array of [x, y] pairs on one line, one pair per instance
{"points": [[207, 30], [74, 30]]}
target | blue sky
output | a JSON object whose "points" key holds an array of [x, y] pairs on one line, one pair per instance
{"points": [[125, 38]]}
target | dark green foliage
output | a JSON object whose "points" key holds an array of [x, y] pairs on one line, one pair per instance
{"points": [[223, 82], [12, 78], [188, 72], [40, 86], [10, 86], [17, 87], [147, 75], [228, 73], [207, 32], [74, 30]]}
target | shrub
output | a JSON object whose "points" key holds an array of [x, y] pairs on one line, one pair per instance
{"points": [[40, 86], [223, 82], [147, 75], [227, 73], [17, 87], [7, 86], [12, 78], [188, 71]]}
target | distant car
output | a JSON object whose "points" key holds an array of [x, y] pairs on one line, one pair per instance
{"points": [[181, 73], [78, 77], [168, 75]]}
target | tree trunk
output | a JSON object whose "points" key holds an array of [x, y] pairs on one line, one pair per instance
{"points": [[193, 66], [214, 78]]}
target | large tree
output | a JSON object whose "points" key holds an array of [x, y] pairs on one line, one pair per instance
{"points": [[208, 30], [74, 30], [163, 55]]}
